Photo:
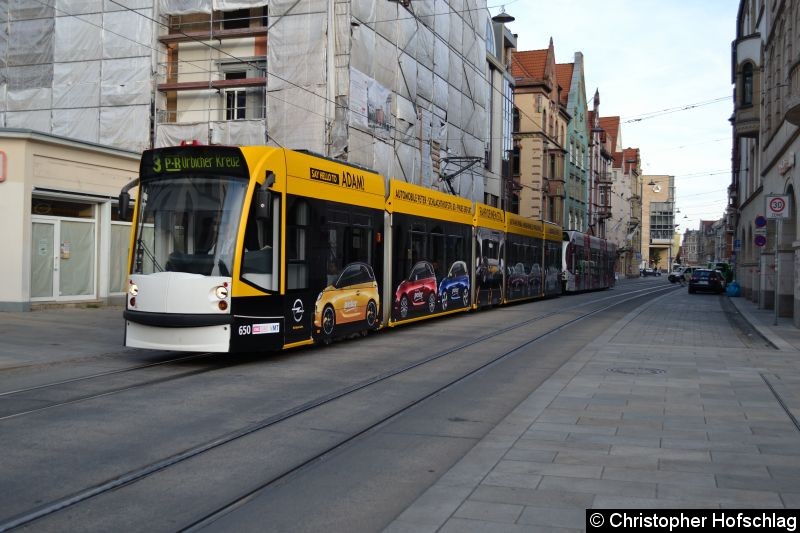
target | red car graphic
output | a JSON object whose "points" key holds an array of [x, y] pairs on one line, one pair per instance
{"points": [[418, 292]]}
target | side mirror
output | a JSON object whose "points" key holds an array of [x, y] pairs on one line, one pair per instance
{"points": [[124, 205], [262, 203]]}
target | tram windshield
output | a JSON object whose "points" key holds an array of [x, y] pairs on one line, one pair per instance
{"points": [[188, 224]]}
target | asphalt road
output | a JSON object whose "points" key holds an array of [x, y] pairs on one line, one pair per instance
{"points": [[216, 442]]}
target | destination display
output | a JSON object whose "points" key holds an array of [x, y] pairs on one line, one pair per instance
{"points": [[197, 160]]}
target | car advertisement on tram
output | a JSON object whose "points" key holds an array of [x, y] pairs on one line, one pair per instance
{"points": [[431, 245]]}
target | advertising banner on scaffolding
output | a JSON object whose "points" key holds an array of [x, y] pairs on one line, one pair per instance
{"points": [[370, 105]]}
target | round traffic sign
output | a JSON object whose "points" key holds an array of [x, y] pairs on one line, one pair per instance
{"points": [[760, 240], [777, 205], [761, 221]]}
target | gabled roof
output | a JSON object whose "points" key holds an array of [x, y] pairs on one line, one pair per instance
{"points": [[629, 154], [611, 127], [529, 64], [564, 79]]}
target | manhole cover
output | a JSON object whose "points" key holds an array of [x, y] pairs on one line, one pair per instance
{"points": [[636, 371]]}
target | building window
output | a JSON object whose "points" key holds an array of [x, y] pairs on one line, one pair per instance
{"points": [[515, 162], [490, 42], [235, 99], [243, 102], [747, 84], [236, 19]]}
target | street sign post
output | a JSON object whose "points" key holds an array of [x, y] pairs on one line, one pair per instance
{"points": [[778, 209], [778, 206]]}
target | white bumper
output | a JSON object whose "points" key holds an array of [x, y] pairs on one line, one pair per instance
{"points": [[191, 339]]}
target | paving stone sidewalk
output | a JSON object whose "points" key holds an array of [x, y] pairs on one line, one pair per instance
{"points": [[673, 407]]}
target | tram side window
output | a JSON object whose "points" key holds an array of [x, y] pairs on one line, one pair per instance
{"points": [[356, 245], [437, 253], [260, 254], [417, 249], [297, 231], [455, 250], [536, 255], [580, 259]]}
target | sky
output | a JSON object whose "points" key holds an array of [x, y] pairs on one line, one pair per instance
{"points": [[648, 56]]}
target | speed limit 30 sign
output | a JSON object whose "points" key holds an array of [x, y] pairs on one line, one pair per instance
{"points": [[778, 206]]}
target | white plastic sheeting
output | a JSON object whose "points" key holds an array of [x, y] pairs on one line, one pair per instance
{"points": [[127, 34], [81, 124], [70, 49], [187, 7], [427, 63], [235, 132], [76, 84], [387, 84], [78, 68], [298, 106], [126, 126], [173, 134], [125, 82], [78, 7]]}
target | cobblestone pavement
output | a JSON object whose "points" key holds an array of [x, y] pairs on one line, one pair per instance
{"points": [[691, 402]]}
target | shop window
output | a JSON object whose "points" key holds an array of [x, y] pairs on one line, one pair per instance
{"points": [[61, 208]]}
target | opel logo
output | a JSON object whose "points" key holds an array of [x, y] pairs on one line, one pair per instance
{"points": [[297, 310]]}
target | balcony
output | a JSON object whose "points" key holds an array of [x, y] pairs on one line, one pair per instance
{"points": [[605, 178], [793, 100], [555, 187], [213, 84], [662, 242], [216, 34], [603, 211], [747, 121]]}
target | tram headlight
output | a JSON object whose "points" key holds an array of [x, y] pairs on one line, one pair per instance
{"points": [[221, 292], [133, 289]]}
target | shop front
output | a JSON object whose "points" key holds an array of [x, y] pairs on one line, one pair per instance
{"points": [[65, 241]]}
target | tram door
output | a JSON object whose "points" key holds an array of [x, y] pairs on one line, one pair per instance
{"points": [[62, 259]]}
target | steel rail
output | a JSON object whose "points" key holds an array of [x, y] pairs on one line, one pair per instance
{"points": [[147, 470]]}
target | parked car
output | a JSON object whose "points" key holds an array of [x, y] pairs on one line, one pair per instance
{"points": [[418, 292], [650, 272], [705, 279], [725, 268], [686, 272], [352, 298], [455, 287]]}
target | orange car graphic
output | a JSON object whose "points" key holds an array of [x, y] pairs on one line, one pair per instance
{"points": [[353, 298]]}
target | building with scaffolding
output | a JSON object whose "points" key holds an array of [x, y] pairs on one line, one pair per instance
{"points": [[417, 91], [78, 69], [399, 87]]}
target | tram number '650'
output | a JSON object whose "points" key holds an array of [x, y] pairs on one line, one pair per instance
{"points": [[259, 329]]}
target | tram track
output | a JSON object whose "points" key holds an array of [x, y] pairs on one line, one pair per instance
{"points": [[29, 397], [143, 472], [18, 395]]}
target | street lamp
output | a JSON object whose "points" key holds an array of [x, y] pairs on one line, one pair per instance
{"points": [[503, 17]]}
